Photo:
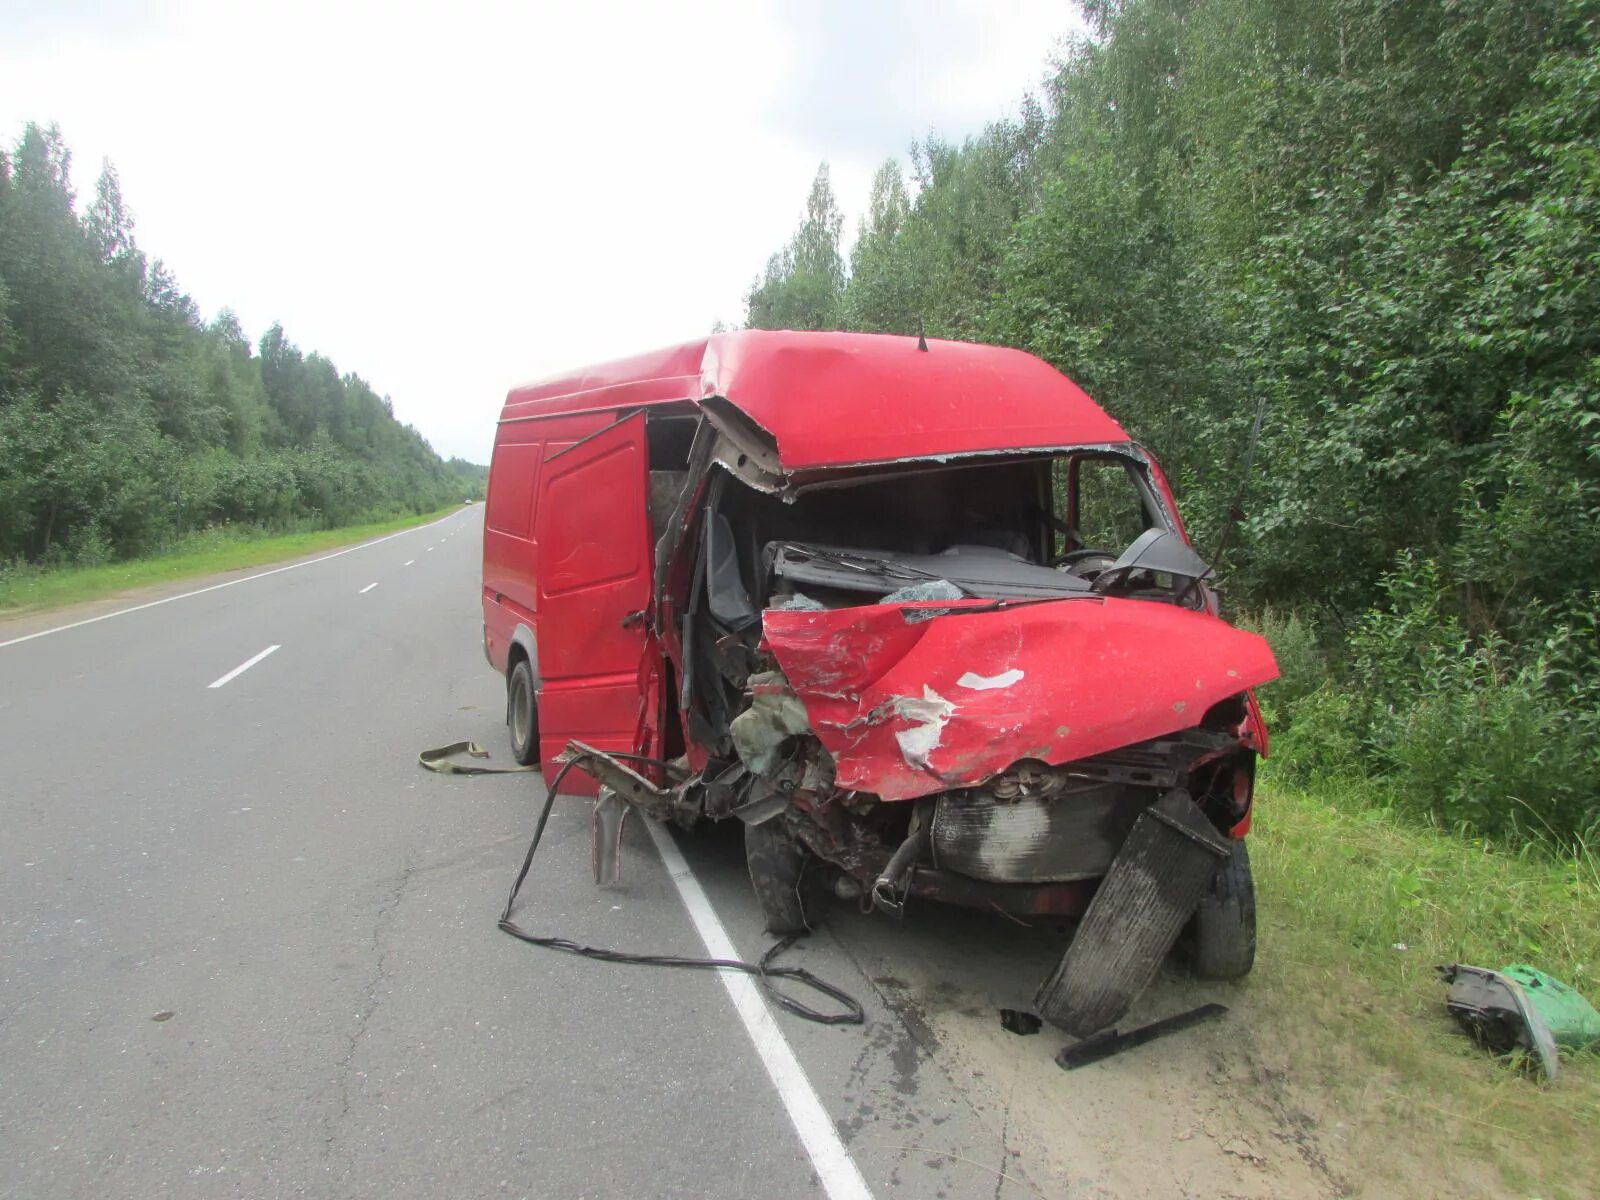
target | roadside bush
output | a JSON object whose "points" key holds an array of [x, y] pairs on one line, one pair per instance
{"points": [[1323, 738], [1474, 732], [1493, 751], [259, 490], [127, 423], [1302, 663], [88, 546]]}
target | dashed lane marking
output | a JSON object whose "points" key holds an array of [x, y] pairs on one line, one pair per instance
{"points": [[243, 667], [310, 562]]}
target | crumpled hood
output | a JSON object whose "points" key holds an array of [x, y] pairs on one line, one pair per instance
{"points": [[917, 698]]}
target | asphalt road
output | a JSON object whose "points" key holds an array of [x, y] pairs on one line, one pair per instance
{"points": [[248, 948]]}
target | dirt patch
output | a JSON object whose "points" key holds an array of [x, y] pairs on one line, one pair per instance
{"points": [[1207, 1112], [1190, 1116]]}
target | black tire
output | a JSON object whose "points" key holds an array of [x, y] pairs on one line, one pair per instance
{"points": [[784, 875], [1222, 935], [522, 714]]}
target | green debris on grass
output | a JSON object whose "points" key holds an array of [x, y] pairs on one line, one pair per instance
{"points": [[1358, 905]]}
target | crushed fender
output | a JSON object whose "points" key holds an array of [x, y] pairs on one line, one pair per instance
{"points": [[907, 708]]}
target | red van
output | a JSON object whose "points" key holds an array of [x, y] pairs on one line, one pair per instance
{"points": [[918, 612]]}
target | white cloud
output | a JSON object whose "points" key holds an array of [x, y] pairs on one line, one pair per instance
{"points": [[452, 199]]}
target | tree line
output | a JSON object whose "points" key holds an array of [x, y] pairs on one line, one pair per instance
{"points": [[1382, 219], [126, 421]]}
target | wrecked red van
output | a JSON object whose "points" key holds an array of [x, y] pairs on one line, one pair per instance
{"points": [[918, 613]]}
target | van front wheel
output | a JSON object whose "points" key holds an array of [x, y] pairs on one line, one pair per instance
{"points": [[1222, 934], [787, 891], [522, 714]]}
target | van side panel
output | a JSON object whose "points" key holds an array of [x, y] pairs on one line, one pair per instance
{"points": [[510, 553], [508, 524], [593, 535]]}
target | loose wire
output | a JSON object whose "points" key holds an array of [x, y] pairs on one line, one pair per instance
{"points": [[764, 971]]}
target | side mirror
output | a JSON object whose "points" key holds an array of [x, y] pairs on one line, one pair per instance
{"points": [[1155, 550]]}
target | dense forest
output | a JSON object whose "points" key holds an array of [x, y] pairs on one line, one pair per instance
{"points": [[127, 422], [1381, 219]]}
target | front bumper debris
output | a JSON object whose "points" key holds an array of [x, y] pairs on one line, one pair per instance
{"points": [[1154, 884]]}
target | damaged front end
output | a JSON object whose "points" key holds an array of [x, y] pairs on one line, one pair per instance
{"points": [[952, 681]]}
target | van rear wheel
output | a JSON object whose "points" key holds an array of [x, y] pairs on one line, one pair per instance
{"points": [[522, 714]]}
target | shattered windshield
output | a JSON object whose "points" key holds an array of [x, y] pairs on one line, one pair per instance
{"points": [[956, 573], [1027, 527]]}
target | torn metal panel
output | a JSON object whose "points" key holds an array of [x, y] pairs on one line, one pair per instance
{"points": [[925, 719], [605, 837], [626, 783], [743, 447], [775, 715], [1086, 676]]}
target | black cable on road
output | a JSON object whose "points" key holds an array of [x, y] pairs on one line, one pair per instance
{"points": [[764, 971]]}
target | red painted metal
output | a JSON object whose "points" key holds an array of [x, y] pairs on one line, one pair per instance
{"points": [[906, 707], [834, 399], [910, 704], [592, 530], [509, 552]]}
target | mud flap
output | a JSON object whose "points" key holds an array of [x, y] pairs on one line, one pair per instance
{"points": [[1155, 882]]}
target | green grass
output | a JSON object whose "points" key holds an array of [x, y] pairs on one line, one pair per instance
{"points": [[1358, 906], [27, 589]]}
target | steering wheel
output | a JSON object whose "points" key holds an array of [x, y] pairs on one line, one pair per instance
{"points": [[1073, 557]]}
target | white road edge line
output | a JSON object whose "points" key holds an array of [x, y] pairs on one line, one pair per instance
{"points": [[243, 667], [841, 1179], [310, 562], [366, 589]]}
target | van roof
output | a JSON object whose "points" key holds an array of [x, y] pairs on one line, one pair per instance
{"points": [[837, 399]]}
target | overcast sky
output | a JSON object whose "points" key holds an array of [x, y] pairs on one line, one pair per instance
{"points": [[449, 199]]}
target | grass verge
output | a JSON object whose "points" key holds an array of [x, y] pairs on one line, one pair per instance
{"points": [[1357, 907], [222, 549]]}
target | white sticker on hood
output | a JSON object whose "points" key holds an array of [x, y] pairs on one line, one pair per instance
{"points": [[984, 683]]}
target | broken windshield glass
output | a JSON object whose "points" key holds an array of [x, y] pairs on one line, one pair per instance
{"points": [[982, 571]]}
